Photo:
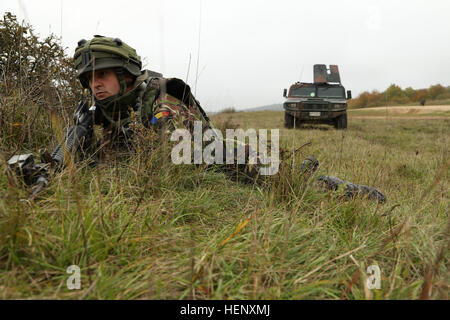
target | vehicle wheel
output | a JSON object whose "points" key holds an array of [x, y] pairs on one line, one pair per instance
{"points": [[288, 121], [341, 122], [298, 123], [344, 121]]}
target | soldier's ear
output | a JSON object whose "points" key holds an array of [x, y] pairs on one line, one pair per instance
{"points": [[129, 78]]}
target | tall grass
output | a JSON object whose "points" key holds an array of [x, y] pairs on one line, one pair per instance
{"points": [[142, 228]]}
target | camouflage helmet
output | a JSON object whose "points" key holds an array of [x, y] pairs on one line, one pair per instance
{"points": [[101, 53]]}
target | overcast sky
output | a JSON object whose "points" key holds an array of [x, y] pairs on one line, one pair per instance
{"points": [[250, 50]]}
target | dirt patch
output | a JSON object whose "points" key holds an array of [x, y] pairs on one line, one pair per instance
{"points": [[404, 117], [407, 109]]}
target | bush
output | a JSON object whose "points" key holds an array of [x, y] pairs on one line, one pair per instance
{"points": [[443, 96], [37, 79], [228, 110]]}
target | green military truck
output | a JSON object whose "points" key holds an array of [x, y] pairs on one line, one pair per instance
{"points": [[323, 101]]}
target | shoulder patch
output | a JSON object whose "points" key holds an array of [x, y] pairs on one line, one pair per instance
{"points": [[159, 115]]}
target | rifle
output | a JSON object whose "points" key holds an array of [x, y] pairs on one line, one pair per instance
{"points": [[352, 189], [77, 138], [311, 164]]}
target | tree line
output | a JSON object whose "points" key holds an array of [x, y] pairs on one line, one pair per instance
{"points": [[398, 96]]}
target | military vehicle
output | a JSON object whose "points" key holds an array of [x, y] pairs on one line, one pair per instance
{"points": [[323, 101]]}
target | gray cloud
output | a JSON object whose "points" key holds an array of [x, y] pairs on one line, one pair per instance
{"points": [[251, 50]]}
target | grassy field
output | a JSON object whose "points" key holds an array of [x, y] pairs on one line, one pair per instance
{"points": [[143, 228], [416, 112]]}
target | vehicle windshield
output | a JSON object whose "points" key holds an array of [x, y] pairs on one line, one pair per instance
{"points": [[331, 92], [303, 92]]}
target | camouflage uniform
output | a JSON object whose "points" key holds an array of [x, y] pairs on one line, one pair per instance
{"points": [[158, 103]]}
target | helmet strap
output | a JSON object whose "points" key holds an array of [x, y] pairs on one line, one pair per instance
{"points": [[122, 83]]}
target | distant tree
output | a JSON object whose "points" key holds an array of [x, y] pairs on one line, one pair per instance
{"points": [[435, 91], [375, 98], [420, 95], [395, 94], [409, 92], [445, 95], [363, 99]]}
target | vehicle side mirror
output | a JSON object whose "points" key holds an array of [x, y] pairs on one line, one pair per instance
{"points": [[285, 93], [349, 94]]}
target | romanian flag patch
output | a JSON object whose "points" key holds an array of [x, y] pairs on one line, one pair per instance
{"points": [[159, 115]]}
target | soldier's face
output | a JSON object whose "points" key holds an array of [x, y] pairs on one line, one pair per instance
{"points": [[103, 83]]}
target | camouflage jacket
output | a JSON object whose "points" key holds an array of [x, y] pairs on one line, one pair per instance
{"points": [[162, 105], [154, 102]]}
